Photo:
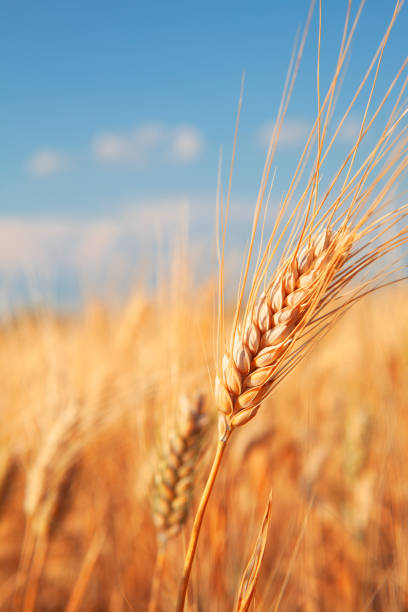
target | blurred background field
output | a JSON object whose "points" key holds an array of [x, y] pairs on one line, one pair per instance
{"points": [[85, 400]]}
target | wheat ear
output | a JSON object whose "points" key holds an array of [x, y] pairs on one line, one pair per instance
{"points": [[273, 325], [48, 480], [174, 479]]}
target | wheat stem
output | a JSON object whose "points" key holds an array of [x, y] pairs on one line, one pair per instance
{"points": [[195, 532]]}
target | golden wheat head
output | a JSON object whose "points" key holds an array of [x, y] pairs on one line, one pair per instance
{"points": [[275, 322], [174, 477]]}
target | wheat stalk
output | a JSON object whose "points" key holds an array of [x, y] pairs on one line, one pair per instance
{"points": [[270, 331], [327, 246]]}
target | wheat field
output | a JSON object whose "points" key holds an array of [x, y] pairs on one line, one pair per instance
{"points": [[86, 402]]}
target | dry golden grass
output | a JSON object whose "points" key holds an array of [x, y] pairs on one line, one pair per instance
{"points": [[331, 443]]}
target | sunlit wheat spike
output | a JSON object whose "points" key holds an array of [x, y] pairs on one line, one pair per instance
{"points": [[251, 573], [174, 477], [274, 323]]}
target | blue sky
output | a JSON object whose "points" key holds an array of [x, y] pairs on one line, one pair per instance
{"points": [[118, 110]]}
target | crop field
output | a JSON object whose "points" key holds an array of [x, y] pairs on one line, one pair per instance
{"points": [[87, 403]]}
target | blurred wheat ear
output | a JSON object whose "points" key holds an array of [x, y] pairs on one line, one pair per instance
{"points": [[48, 487], [48, 482], [174, 478]]}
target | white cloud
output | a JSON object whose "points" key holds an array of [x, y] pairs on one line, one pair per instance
{"points": [[47, 162], [186, 144], [43, 244], [110, 147], [294, 132], [150, 143], [92, 246], [47, 259]]}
